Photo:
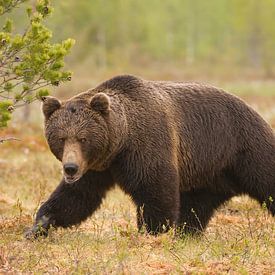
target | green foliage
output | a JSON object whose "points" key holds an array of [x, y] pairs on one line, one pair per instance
{"points": [[29, 61], [8, 5], [5, 112]]}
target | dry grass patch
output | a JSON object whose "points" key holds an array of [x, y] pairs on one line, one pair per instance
{"points": [[239, 239]]}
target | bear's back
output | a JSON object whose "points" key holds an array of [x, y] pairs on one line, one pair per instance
{"points": [[189, 104], [138, 88]]}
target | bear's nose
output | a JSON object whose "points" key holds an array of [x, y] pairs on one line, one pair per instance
{"points": [[70, 169]]}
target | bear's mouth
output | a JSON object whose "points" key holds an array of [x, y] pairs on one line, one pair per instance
{"points": [[71, 179]]}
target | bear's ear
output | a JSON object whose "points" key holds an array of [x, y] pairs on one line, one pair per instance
{"points": [[50, 105], [101, 103]]}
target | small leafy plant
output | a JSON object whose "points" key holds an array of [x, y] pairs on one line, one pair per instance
{"points": [[29, 62]]}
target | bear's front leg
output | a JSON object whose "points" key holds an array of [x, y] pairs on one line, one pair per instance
{"points": [[71, 204], [158, 203], [154, 219]]}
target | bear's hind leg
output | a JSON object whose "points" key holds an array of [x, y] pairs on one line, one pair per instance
{"points": [[255, 172], [71, 204], [265, 195], [197, 208]]}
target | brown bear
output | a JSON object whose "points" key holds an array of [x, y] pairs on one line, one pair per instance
{"points": [[180, 150]]}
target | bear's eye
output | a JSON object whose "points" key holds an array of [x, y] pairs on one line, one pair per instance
{"points": [[83, 140], [62, 140]]}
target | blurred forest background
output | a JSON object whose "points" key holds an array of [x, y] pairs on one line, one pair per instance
{"points": [[175, 39], [217, 36]]}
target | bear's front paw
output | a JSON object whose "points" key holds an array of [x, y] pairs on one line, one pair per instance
{"points": [[35, 232], [40, 229]]}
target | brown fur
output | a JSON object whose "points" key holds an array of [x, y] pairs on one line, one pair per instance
{"points": [[179, 150]]}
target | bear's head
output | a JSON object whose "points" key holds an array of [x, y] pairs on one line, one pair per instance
{"points": [[83, 133]]}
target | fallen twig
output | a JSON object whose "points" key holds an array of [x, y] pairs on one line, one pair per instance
{"points": [[3, 139]]}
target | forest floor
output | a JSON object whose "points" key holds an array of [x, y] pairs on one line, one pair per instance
{"points": [[240, 238]]}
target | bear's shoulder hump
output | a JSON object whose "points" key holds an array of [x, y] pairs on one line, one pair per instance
{"points": [[121, 83]]}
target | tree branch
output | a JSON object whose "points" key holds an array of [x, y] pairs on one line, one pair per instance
{"points": [[3, 139]]}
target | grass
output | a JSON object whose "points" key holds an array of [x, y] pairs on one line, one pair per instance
{"points": [[239, 239]]}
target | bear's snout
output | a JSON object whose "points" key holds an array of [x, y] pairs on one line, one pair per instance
{"points": [[74, 165], [70, 169]]}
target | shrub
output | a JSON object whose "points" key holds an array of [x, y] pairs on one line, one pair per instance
{"points": [[29, 62]]}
